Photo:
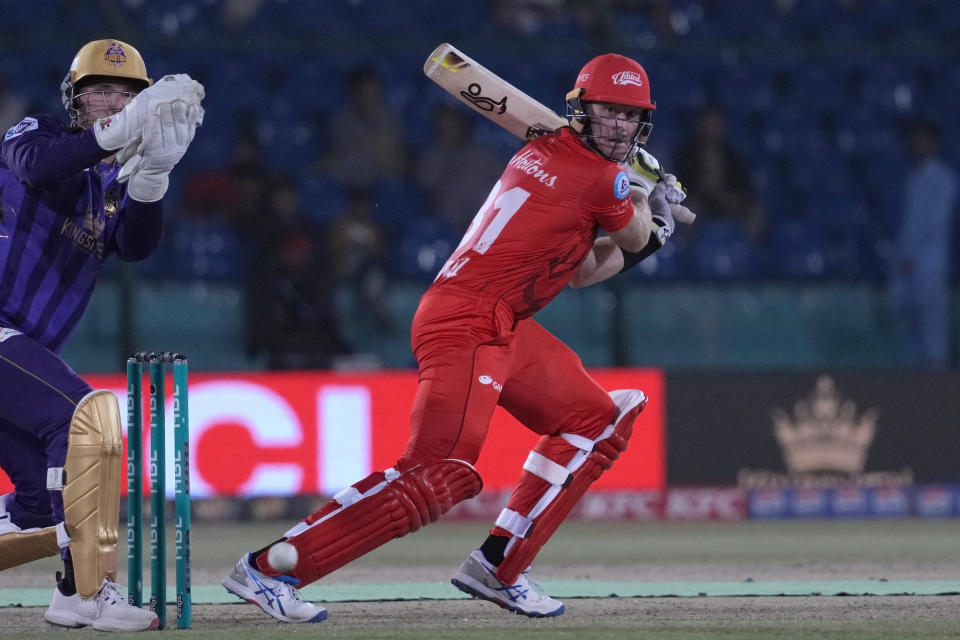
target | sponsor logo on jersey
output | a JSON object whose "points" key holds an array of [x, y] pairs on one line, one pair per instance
{"points": [[531, 164], [621, 185], [87, 235], [627, 77], [93, 223], [27, 124], [488, 380], [111, 203]]}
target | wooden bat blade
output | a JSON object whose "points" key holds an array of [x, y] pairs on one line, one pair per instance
{"points": [[488, 94]]}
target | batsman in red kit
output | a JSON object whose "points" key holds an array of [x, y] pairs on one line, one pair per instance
{"points": [[477, 347]]}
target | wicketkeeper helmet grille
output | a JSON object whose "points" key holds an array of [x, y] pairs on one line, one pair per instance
{"points": [[102, 59]]}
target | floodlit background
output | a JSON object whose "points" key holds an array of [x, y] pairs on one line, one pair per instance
{"points": [[799, 342], [326, 145]]}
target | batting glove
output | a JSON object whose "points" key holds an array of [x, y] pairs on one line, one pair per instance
{"points": [[643, 171], [661, 213], [117, 130], [675, 193]]}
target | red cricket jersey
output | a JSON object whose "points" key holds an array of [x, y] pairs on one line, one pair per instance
{"points": [[538, 223]]}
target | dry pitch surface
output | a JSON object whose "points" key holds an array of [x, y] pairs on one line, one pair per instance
{"points": [[820, 554]]}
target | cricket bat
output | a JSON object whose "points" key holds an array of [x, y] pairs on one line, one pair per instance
{"points": [[490, 95], [496, 99]]}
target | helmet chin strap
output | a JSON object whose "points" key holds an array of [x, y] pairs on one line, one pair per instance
{"points": [[581, 124], [591, 141]]}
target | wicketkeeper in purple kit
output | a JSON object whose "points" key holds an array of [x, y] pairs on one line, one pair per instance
{"points": [[70, 196]]}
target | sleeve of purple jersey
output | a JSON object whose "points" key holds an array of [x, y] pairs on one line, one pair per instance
{"points": [[40, 151], [139, 230]]}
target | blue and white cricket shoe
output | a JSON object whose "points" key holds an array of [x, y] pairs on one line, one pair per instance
{"points": [[277, 596], [479, 578]]}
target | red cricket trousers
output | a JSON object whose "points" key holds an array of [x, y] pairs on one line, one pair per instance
{"points": [[472, 356]]}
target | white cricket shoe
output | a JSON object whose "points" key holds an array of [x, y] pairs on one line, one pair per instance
{"points": [[105, 611], [479, 578], [6, 523], [277, 596]]}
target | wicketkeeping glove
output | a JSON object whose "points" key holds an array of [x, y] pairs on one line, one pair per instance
{"points": [[115, 131], [166, 136]]}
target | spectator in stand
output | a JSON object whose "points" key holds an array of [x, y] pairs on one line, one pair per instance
{"points": [[599, 18], [237, 16], [236, 192], [368, 135], [456, 172], [292, 312], [715, 177], [357, 248], [920, 268], [220, 221]]}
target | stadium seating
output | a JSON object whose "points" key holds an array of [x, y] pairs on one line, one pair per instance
{"points": [[815, 94]]}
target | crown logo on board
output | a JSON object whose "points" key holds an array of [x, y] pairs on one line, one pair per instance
{"points": [[825, 433]]}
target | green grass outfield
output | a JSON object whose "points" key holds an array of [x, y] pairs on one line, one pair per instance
{"points": [[805, 579]]}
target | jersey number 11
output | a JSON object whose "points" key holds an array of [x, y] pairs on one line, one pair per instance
{"points": [[486, 227]]}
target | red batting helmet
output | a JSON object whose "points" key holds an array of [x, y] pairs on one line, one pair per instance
{"points": [[615, 78]]}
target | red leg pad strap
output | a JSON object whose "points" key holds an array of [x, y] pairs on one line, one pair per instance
{"points": [[379, 508], [531, 531]]}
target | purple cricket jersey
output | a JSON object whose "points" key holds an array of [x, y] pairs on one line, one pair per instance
{"points": [[61, 214]]}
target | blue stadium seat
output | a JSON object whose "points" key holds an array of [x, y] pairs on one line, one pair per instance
{"points": [[722, 251], [323, 199], [841, 250], [423, 248], [796, 251], [290, 142], [399, 204], [672, 262], [205, 249]]}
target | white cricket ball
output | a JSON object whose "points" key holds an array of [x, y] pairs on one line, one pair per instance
{"points": [[282, 556]]}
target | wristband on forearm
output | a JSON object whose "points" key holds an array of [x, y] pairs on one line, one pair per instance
{"points": [[631, 259]]}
